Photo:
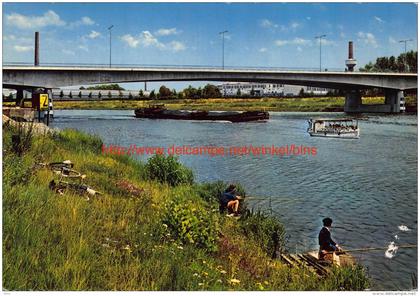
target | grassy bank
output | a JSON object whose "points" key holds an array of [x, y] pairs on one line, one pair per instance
{"points": [[317, 104], [153, 228]]}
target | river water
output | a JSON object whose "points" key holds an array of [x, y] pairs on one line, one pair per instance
{"points": [[367, 186]]}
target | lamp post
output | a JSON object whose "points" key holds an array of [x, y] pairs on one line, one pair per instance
{"points": [[223, 48], [405, 51], [110, 47], [320, 38]]}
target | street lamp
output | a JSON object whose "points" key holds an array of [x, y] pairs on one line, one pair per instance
{"points": [[109, 29], [223, 48], [320, 38], [405, 51]]}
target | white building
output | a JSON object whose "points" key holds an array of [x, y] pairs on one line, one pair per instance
{"points": [[267, 89]]}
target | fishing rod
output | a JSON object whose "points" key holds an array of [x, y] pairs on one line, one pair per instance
{"points": [[367, 249]]}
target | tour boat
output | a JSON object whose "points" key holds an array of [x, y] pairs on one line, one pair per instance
{"points": [[159, 111], [334, 128]]}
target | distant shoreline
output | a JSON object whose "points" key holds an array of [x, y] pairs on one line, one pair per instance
{"points": [[314, 104]]}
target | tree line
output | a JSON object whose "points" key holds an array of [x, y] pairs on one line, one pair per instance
{"points": [[405, 62]]}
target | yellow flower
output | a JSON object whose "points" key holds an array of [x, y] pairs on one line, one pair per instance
{"points": [[223, 271], [234, 281]]}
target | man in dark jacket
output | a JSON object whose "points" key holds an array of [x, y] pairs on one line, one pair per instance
{"points": [[326, 244], [230, 200]]}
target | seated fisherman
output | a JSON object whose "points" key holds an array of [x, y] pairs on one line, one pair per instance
{"points": [[326, 244], [230, 200]]}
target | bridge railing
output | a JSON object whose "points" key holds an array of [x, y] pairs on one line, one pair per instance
{"points": [[160, 66]]}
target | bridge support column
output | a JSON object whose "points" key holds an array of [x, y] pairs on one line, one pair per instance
{"points": [[395, 100], [19, 97], [353, 101]]}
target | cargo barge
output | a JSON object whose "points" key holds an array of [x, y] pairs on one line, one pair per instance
{"points": [[160, 112]]}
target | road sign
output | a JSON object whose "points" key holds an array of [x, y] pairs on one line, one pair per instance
{"points": [[43, 102]]}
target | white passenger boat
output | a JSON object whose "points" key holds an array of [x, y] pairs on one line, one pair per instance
{"points": [[334, 128]]}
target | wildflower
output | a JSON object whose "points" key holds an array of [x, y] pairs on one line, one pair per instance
{"points": [[204, 261], [223, 271], [195, 274], [265, 283], [180, 247], [164, 225], [234, 281], [201, 284], [205, 273], [219, 281]]}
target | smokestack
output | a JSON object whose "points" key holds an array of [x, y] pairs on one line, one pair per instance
{"points": [[36, 62], [351, 62]]}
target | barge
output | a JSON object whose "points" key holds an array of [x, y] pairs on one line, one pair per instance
{"points": [[160, 112]]}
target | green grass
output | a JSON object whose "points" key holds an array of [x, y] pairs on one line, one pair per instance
{"points": [[166, 238], [317, 104]]}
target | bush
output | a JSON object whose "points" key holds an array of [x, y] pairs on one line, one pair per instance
{"points": [[191, 223], [266, 230], [168, 170], [21, 138]]}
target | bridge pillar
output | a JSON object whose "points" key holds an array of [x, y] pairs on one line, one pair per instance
{"points": [[353, 101], [19, 97], [395, 100]]}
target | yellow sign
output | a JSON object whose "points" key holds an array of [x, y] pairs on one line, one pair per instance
{"points": [[43, 101]]}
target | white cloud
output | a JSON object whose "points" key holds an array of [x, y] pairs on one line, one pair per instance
{"points": [[308, 18], [20, 48], [265, 23], [342, 35], [87, 21], [295, 25], [378, 19], [392, 40], [130, 40], [50, 18], [93, 34], [147, 39], [166, 32], [296, 41], [262, 49], [177, 46], [84, 21], [367, 38]]}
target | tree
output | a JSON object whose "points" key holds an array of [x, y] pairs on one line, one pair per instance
{"points": [[192, 93], [70, 95], [99, 95], [106, 87], [82, 87], [238, 93], [80, 94], [252, 92], [61, 94], [130, 96], [164, 92], [211, 91], [403, 63], [109, 95], [141, 94], [90, 95], [152, 95], [302, 93], [120, 94]]}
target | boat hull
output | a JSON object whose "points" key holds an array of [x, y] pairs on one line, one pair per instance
{"points": [[202, 115]]}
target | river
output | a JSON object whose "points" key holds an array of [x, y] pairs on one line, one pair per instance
{"points": [[367, 186]]}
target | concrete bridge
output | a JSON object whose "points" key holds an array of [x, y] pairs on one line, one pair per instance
{"points": [[32, 77]]}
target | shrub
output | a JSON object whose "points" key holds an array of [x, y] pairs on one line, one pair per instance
{"points": [[168, 170], [266, 230], [21, 137], [191, 223]]}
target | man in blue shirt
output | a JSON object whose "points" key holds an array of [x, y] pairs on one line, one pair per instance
{"points": [[230, 200]]}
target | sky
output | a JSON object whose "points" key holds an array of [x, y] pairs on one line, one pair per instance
{"points": [[259, 34]]}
